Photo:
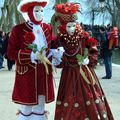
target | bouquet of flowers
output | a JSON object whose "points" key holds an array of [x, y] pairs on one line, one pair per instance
{"points": [[83, 60], [91, 43], [29, 38]]}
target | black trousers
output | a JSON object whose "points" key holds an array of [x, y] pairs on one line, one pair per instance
{"points": [[10, 64]]}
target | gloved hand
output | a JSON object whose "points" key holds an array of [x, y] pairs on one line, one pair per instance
{"points": [[34, 57], [56, 55], [85, 61]]}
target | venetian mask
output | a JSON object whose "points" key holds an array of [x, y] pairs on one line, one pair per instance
{"points": [[38, 13], [70, 28]]}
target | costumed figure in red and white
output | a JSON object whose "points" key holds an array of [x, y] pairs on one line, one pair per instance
{"points": [[29, 45], [113, 38], [80, 96]]}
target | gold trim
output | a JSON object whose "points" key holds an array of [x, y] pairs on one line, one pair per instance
{"points": [[50, 101], [45, 30], [25, 103], [83, 75], [22, 59], [25, 43], [19, 56], [26, 63], [25, 59], [32, 65], [25, 30], [93, 80], [90, 55], [47, 36], [22, 53], [46, 86], [21, 69]]}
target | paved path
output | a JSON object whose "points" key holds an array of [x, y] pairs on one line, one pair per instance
{"points": [[8, 109]]}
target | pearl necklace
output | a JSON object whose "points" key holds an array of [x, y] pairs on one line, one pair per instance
{"points": [[67, 41], [70, 55]]}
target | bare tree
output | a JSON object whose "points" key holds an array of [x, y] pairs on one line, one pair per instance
{"points": [[112, 7], [118, 13], [10, 15]]}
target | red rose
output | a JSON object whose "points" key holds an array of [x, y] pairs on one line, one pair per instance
{"points": [[84, 35], [91, 42], [74, 9], [66, 9], [29, 37]]}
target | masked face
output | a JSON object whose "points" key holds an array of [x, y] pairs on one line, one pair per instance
{"points": [[38, 13], [70, 28]]}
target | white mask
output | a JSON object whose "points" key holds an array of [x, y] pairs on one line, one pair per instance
{"points": [[70, 28], [38, 13]]}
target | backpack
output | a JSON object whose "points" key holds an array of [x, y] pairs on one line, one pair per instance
{"points": [[113, 38]]}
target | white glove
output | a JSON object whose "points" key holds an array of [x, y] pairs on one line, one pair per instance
{"points": [[85, 61], [57, 55], [34, 57]]}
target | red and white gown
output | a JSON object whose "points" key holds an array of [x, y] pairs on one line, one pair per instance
{"points": [[80, 96]]}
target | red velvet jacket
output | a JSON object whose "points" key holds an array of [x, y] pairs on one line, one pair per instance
{"points": [[31, 80]]}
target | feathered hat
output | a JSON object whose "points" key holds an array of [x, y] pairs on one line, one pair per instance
{"points": [[25, 4], [67, 12]]}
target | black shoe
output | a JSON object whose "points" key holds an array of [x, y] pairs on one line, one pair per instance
{"points": [[10, 69], [106, 77]]}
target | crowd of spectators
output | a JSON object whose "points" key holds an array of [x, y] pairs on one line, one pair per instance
{"points": [[108, 39], [3, 51], [94, 31]]}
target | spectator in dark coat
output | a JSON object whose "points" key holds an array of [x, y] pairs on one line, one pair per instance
{"points": [[106, 53], [1, 49], [10, 62]]}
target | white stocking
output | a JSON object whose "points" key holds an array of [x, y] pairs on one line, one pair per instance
{"points": [[25, 112], [38, 111]]}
